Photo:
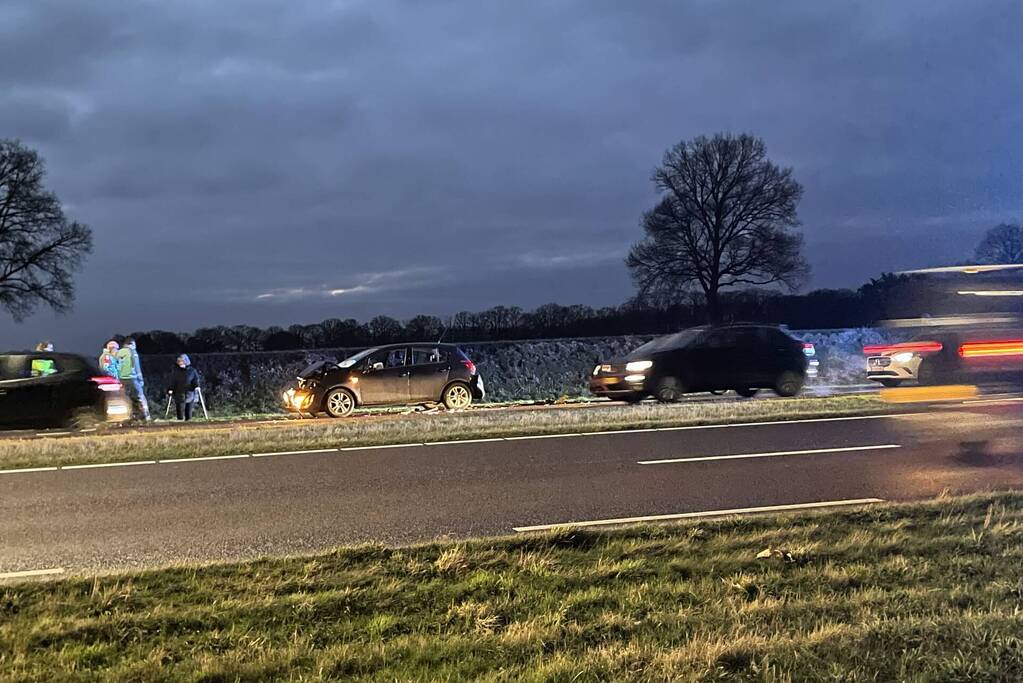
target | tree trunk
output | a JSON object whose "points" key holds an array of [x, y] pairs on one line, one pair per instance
{"points": [[713, 305]]}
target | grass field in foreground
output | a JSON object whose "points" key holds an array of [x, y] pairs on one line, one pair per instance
{"points": [[185, 441], [921, 592]]}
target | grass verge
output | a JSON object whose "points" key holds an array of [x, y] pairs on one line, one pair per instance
{"points": [[211, 440], [928, 591]]}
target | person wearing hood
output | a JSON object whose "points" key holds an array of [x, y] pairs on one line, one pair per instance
{"points": [[184, 381], [108, 360], [130, 374]]}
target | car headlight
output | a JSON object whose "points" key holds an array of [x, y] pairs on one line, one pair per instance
{"points": [[596, 370], [903, 357], [639, 365]]}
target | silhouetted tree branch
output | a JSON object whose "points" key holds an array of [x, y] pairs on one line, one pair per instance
{"points": [[39, 247], [726, 218], [1001, 244]]}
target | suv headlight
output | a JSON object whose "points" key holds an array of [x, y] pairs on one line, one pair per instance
{"points": [[639, 365]]}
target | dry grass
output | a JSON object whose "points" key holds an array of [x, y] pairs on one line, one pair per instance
{"points": [[688, 602], [210, 440]]}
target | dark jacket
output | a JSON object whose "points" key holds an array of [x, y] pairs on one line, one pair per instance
{"points": [[183, 383]]}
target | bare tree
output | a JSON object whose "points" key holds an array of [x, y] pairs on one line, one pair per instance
{"points": [[1001, 244], [39, 247], [726, 218]]}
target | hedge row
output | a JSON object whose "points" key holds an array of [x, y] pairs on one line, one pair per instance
{"points": [[529, 370]]}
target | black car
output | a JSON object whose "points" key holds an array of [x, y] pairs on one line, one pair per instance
{"points": [[397, 374], [745, 358], [39, 389]]}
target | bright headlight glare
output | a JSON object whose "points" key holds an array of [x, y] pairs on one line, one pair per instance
{"points": [[903, 357], [639, 365], [596, 370]]}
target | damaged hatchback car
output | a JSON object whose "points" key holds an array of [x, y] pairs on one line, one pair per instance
{"points": [[398, 374]]}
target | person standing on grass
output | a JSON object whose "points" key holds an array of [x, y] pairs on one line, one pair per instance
{"points": [[183, 384], [108, 360], [130, 374]]}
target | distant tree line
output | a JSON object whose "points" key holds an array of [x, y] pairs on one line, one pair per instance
{"points": [[824, 308]]}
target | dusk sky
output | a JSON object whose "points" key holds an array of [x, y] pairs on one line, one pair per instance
{"points": [[285, 162]]}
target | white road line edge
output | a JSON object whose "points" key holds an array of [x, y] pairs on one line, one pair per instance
{"points": [[376, 448], [457, 442], [204, 458], [108, 464], [32, 572], [991, 401], [771, 454], [704, 513], [30, 469], [314, 450]]}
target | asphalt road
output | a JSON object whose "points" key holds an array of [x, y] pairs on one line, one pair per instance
{"points": [[109, 518]]}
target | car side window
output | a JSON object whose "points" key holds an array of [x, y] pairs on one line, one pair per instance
{"points": [[427, 356], [389, 358], [14, 367], [44, 367], [722, 339], [748, 339]]}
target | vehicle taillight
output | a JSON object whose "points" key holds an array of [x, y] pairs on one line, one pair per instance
{"points": [[469, 365], [992, 348], [808, 349], [107, 383], [918, 347]]}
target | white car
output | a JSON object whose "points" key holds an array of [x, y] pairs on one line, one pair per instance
{"points": [[973, 355], [893, 364]]}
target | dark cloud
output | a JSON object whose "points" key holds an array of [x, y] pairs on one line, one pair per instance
{"points": [[432, 157]]}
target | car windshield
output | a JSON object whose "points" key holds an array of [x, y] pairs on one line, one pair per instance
{"points": [[671, 341], [352, 360]]}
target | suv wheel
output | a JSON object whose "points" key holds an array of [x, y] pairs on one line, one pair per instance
{"points": [[669, 390], [457, 397], [927, 374], [339, 403], [789, 383]]}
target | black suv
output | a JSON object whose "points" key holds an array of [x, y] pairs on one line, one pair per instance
{"points": [[743, 357], [40, 389], [398, 374]]}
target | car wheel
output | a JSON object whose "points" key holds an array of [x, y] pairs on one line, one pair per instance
{"points": [[891, 383], [457, 397], [926, 374], [632, 398], [746, 392], [339, 403], [669, 390], [718, 392], [789, 383]]}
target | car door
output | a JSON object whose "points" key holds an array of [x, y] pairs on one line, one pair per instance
{"points": [[428, 373], [754, 360], [23, 398], [713, 360], [385, 377]]}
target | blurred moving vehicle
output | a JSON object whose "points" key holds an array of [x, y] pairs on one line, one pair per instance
{"points": [[398, 374], [743, 357], [977, 355], [45, 389]]}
